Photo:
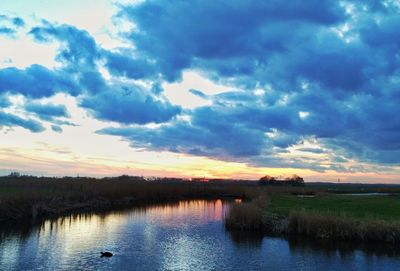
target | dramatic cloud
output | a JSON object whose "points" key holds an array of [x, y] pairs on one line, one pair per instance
{"points": [[325, 72], [36, 81], [122, 64], [47, 111], [114, 101], [77, 49], [209, 133], [10, 120], [130, 105], [174, 35]]}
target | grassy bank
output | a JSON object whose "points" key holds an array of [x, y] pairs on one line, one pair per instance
{"points": [[27, 197], [325, 216], [358, 207]]}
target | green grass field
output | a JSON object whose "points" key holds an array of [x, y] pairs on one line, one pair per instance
{"points": [[360, 207]]}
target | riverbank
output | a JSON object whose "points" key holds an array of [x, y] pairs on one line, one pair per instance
{"points": [[326, 216], [313, 211], [188, 235], [26, 197]]}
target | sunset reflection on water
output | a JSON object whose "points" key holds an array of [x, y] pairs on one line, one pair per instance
{"points": [[186, 235], [80, 238]]}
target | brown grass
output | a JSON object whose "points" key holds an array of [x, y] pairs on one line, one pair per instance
{"points": [[331, 226], [43, 197], [244, 216], [254, 216], [248, 215]]}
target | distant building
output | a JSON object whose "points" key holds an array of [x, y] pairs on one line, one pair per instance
{"points": [[202, 180]]}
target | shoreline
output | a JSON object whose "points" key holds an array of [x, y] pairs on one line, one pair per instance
{"points": [[312, 225], [24, 199], [44, 211]]}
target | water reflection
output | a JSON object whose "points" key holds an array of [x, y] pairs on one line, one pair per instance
{"points": [[187, 235], [79, 238], [343, 249], [246, 238]]}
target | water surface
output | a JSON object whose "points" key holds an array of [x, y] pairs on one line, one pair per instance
{"points": [[369, 194], [184, 236]]}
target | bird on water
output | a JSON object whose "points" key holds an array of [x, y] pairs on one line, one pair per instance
{"points": [[106, 254]]}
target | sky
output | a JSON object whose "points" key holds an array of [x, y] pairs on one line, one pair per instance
{"points": [[219, 89]]}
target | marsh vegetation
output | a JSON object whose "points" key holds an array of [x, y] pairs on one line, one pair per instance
{"points": [[32, 197], [321, 214], [316, 211]]}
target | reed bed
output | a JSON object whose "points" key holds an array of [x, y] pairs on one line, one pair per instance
{"points": [[322, 221], [331, 226], [248, 215], [43, 197]]}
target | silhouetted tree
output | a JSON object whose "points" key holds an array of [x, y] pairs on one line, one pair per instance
{"points": [[267, 180], [295, 180]]}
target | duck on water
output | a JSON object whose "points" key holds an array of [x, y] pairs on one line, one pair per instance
{"points": [[106, 254]]}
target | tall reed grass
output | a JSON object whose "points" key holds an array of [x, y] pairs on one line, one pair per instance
{"points": [[41, 197], [248, 215], [331, 226], [254, 215]]}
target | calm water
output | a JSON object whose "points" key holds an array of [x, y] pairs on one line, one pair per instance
{"points": [[185, 236]]}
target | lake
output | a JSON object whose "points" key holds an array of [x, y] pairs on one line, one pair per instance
{"points": [[188, 235]]}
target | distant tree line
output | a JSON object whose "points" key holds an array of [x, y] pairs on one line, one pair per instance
{"points": [[293, 180]]}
